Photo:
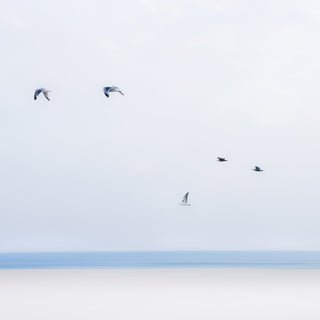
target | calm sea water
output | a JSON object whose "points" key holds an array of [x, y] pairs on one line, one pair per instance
{"points": [[172, 259]]}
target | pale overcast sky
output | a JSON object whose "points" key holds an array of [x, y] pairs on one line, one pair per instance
{"points": [[201, 79]]}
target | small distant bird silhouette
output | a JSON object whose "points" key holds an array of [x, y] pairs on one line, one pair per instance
{"points": [[185, 200], [221, 159], [41, 90], [257, 169], [106, 90]]}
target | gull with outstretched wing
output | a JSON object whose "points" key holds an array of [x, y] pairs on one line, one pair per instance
{"points": [[184, 201], [106, 90], [43, 91]]}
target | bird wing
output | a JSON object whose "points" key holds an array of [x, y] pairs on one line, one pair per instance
{"points": [[45, 93], [106, 91], [115, 89], [36, 93], [185, 197]]}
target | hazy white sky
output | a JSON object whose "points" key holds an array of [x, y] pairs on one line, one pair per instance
{"points": [[201, 79]]}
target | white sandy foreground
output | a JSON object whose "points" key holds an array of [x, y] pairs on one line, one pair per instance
{"points": [[159, 294]]}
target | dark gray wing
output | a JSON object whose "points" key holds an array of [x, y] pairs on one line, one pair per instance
{"points": [[45, 93], [106, 91], [36, 93]]}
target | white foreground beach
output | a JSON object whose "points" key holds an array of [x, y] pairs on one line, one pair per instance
{"points": [[159, 294]]}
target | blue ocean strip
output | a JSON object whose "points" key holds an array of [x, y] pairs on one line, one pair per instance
{"points": [[167, 259]]}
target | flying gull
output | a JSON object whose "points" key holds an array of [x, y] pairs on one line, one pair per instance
{"points": [[185, 200], [221, 159], [41, 90], [106, 90], [258, 169]]}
